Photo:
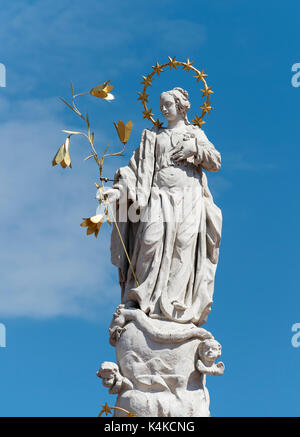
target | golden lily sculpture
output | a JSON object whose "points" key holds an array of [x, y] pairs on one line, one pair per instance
{"points": [[93, 224], [63, 158], [103, 91], [124, 130]]}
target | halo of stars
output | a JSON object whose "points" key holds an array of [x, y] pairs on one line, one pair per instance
{"points": [[186, 66]]}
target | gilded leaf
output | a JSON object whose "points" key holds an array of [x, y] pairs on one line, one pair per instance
{"points": [[59, 155], [71, 132], [67, 159], [66, 103]]}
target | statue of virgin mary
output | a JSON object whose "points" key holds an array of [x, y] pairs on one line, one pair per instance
{"points": [[172, 228]]}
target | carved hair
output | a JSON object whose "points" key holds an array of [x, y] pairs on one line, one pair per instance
{"points": [[181, 98]]}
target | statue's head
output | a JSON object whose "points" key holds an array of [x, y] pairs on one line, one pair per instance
{"points": [[174, 104], [209, 350]]}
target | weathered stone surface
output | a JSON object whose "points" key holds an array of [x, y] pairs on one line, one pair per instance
{"points": [[171, 228]]}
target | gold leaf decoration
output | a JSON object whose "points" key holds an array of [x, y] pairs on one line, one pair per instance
{"points": [[147, 80], [207, 91], [93, 224], [143, 97], [187, 66], [109, 410], [124, 130], [102, 91], [62, 156], [172, 62], [206, 108], [148, 113], [198, 121], [105, 409], [157, 69]]}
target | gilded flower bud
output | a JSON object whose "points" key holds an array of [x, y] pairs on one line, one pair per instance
{"points": [[124, 130]]}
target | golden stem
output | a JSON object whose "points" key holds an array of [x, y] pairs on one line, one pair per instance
{"points": [[126, 253], [100, 165]]}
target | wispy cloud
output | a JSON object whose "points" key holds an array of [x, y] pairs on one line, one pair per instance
{"points": [[44, 41], [48, 265]]}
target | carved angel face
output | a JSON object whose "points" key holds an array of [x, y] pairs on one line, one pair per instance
{"points": [[210, 350], [168, 107]]}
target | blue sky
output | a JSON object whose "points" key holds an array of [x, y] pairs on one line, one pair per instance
{"points": [[58, 289]]}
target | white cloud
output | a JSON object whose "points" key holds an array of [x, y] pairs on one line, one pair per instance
{"points": [[48, 265], [46, 40]]}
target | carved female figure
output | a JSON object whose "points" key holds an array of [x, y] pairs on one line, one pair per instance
{"points": [[172, 230]]}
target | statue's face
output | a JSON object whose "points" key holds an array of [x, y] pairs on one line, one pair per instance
{"points": [[211, 351], [168, 107]]}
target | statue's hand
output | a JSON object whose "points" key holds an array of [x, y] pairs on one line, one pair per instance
{"points": [[110, 195], [184, 150]]}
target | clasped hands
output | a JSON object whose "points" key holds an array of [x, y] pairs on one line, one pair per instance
{"points": [[184, 150]]}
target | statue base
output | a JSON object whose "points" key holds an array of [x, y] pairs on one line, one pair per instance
{"points": [[161, 369]]}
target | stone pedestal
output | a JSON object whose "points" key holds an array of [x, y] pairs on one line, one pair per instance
{"points": [[161, 366]]}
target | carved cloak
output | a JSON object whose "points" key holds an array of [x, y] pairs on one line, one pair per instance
{"points": [[135, 182]]}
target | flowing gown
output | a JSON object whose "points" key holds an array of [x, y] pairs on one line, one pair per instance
{"points": [[174, 245]]}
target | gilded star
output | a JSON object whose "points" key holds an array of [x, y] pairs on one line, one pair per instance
{"points": [[206, 107], [172, 62], [200, 75], [207, 91], [158, 68], [158, 123], [143, 97], [105, 409], [131, 414], [198, 121], [148, 114], [187, 65], [147, 80]]}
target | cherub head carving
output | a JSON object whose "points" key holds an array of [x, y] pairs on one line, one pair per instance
{"points": [[209, 351], [108, 372]]}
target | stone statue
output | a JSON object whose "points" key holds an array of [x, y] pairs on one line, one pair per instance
{"points": [[172, 229]]}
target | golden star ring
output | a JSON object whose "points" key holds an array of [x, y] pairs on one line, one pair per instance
{"points": [[187, 66]]}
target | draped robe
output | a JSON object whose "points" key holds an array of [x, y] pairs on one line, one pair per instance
{"points": [[173, 260]]}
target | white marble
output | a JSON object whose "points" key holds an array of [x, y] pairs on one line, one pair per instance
{"points": [[172, 230]]}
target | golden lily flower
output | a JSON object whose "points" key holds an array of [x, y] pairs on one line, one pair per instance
{"points": [[93, 224], [103, 91], [62, 156], [124, 130]]}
